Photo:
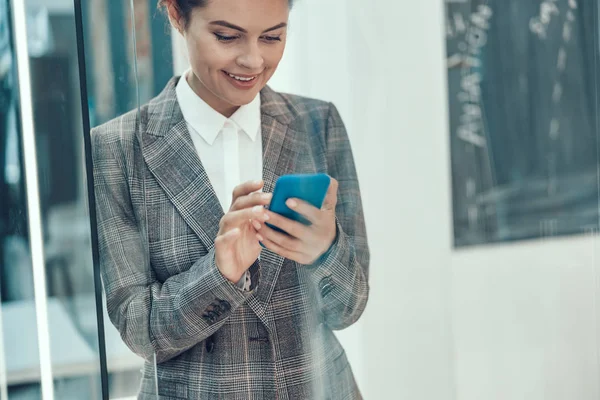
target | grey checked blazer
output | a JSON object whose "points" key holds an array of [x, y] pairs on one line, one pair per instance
{"points": [[157, 219]]}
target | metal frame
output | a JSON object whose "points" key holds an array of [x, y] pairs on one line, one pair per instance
{"points": [[80, 12]]}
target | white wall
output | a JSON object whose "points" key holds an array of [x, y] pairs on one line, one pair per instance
{"points": [[515, 321], [525, 320]]}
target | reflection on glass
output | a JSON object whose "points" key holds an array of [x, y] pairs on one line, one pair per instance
{"points": [[523, 121], [65, 228]]}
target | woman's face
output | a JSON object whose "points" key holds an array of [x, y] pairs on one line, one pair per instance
{"points": [[234, 48]]}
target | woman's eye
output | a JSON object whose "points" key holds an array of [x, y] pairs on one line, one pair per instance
{"points": [[272, 38], [223, 38]]}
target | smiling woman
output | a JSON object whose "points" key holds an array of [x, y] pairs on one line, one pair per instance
{"points": [[181, 188], [230, 62]]}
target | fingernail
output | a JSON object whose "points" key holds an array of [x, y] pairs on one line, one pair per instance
{"points": [[257, 209], [292, 203], [258, 182], [259, 237], [266, 216], [256, 224], [267, 196]]}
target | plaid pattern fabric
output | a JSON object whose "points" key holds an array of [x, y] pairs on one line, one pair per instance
{"points": [[157, 219]]}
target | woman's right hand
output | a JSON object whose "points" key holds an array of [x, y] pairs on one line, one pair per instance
{"points": [[236, 245]]}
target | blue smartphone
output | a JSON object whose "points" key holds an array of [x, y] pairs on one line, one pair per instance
{"points": [[312, 188]]}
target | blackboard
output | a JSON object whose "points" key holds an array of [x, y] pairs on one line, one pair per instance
{"points": [[522, 80]]}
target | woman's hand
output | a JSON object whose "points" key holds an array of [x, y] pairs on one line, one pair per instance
{"points": [[303, 244], [236, 245]]}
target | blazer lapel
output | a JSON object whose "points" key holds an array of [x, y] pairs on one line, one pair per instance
{"points": [[279, 150], [171, 157]]}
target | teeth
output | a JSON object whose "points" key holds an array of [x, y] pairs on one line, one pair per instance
{"points": [[239, 78]]}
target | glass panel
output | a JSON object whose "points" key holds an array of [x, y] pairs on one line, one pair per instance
{"points": [[63, 199], [448, 316], [52, 211]]}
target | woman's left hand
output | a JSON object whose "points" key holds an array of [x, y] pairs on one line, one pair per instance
{"points": [[303, 244]]}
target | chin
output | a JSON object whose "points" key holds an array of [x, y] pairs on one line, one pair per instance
{"points": [[243, 99]]}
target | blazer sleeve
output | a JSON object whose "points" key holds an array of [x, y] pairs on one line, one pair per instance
{"points": [[154, 318], [341, 274]]}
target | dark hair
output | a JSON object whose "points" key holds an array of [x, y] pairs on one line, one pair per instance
{"points": [[185, 7]]}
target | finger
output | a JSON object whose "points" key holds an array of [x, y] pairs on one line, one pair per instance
{"points": [[331, 197], [293, 228], [257, 225], [251, 200], [281, 239], [236, 218], [275, 248], [246, 188], [307, 210]]}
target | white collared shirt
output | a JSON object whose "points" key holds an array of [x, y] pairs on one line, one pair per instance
{"points": [[230, 148]]}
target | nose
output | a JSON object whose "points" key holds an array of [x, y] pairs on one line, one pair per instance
{"points": [[251, 58]]}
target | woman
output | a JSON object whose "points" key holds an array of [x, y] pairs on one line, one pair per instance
{"points": [[188, 286]]}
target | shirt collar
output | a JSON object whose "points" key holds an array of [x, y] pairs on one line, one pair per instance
{"points": [[207, 122]]}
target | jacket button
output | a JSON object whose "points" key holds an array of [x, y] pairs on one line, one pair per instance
{"points": [[213, 314], [326, 290], [326, 286], [225, 306]]}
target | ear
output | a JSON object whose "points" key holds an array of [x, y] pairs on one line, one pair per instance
{"points": [[175, 17]]}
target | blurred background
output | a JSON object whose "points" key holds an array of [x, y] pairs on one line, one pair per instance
{"points": [[475, 129]]}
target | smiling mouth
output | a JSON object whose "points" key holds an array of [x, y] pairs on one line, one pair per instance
{"points": [[241, 78]]}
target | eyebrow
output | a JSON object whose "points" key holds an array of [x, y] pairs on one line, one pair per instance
{"points": [[238, 28]]}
